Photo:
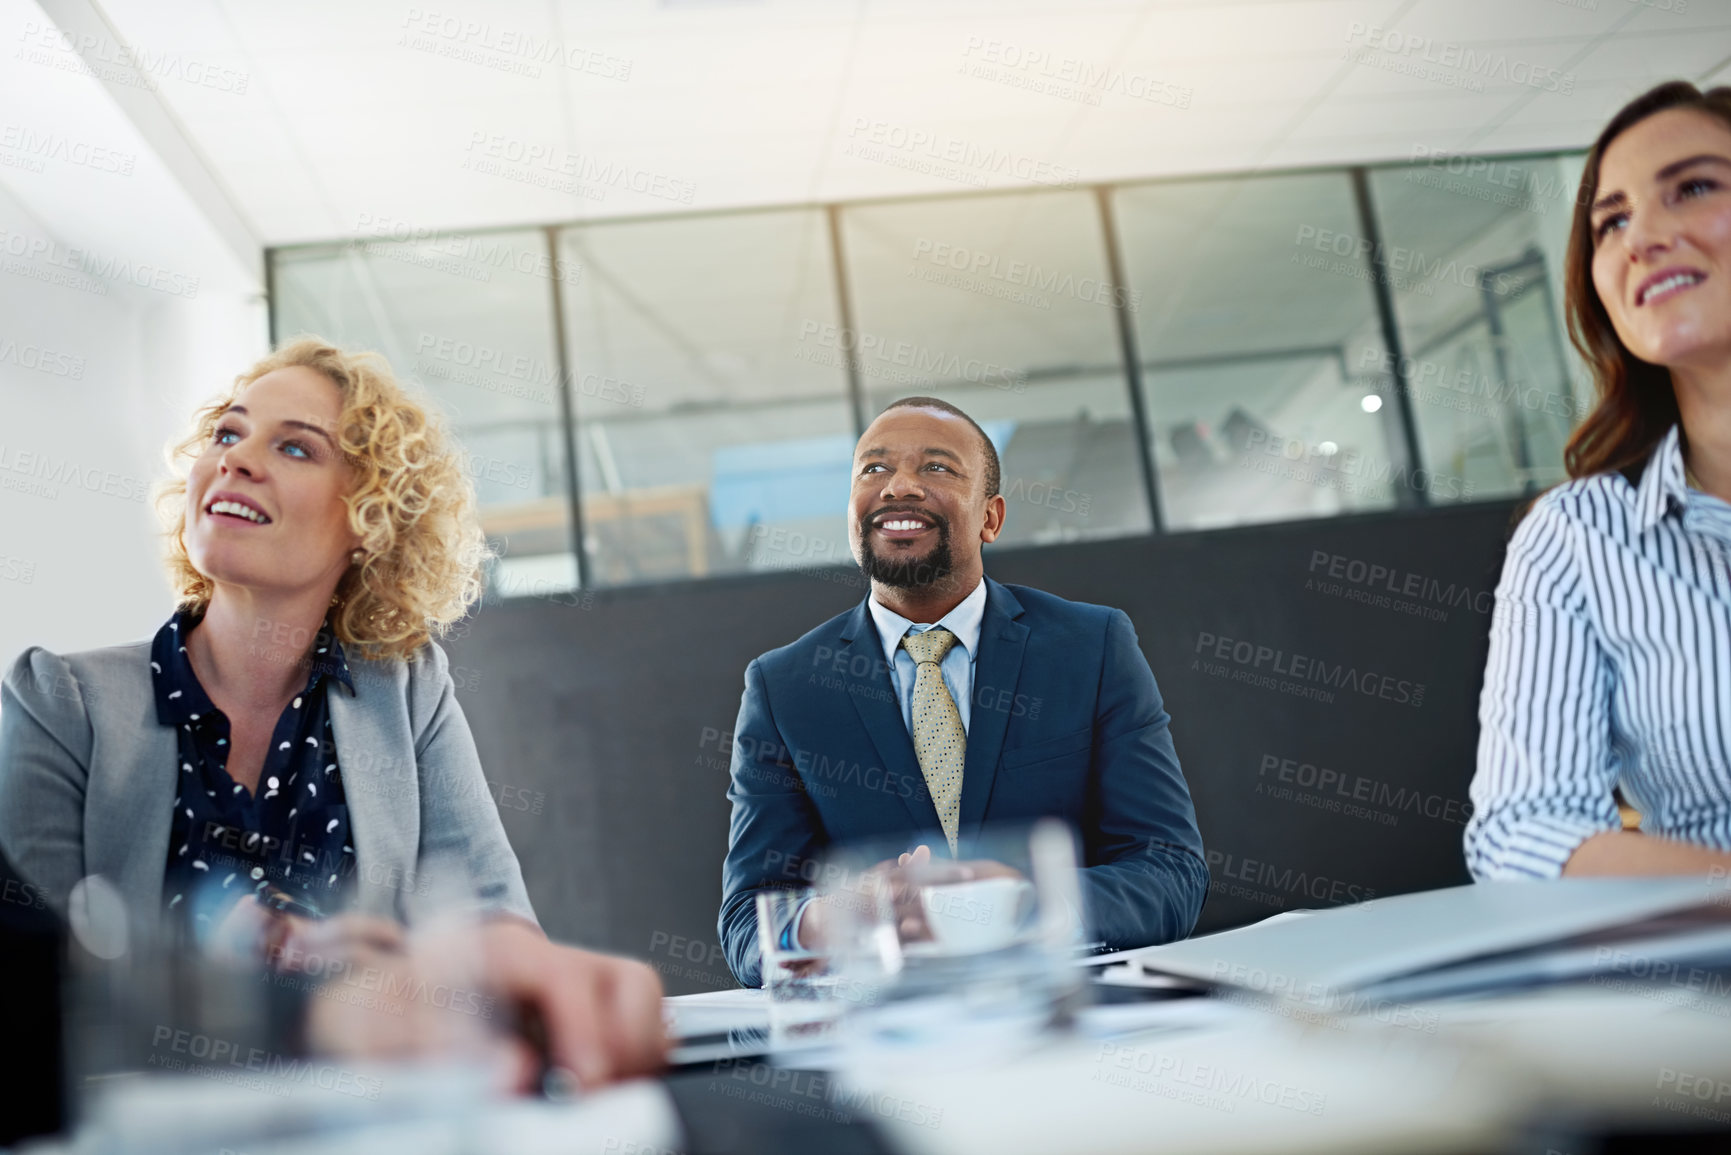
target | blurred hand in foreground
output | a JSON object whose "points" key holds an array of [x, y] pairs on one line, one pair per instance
{"points": [[384, 994]]}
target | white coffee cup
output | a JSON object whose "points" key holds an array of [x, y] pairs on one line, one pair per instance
{"points": [[968, 917]]}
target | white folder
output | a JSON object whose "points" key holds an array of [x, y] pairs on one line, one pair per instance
{"points": [[1353, 949]]}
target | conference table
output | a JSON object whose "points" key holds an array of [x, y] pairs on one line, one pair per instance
{"points": [[1551, 1068], [1515, 1071]]}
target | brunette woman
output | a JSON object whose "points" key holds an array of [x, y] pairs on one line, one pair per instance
{"points": [[1610, 659]]}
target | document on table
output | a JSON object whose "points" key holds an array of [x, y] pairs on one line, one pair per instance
{"points": [[1354, 948], [1119, 957], [713, 1011], [1653, 948]]}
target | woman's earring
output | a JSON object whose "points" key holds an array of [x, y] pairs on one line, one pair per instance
{"points": [[357, 557]]}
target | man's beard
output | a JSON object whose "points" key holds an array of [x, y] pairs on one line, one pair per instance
{"points": [[907, 572]]}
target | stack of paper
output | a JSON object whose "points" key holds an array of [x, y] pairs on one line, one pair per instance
{"points": [[1461, 939]]}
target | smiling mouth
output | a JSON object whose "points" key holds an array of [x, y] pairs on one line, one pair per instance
{"points": [[901, 525], [236, 510], [1668, 287]]}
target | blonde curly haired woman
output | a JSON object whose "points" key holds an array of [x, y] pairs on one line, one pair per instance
{"points": [[291, 733]]}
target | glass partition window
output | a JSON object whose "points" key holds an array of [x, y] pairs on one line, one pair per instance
{"points": [[470, 319], [1002, 306], [716, 367], [713, 426], [1254, 311], [1476, 252]]}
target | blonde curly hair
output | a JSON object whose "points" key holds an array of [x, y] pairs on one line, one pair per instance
{"points": [[412, 504]]}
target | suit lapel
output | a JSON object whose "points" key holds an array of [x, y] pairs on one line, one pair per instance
{"points": [[1002, 641], [132, 852], [381, 783], [874, 697]]}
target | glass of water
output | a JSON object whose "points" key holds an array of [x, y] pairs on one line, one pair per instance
{"points": [[971, 952], [803, 999]]}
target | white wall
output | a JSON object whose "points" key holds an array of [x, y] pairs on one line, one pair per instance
{"points": [[121, 307], [92, 386]]}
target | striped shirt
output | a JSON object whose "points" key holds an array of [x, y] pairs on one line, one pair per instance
{"points": [[1610, 665]]}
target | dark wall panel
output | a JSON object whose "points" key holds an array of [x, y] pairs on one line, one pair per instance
{"points": [[1322, 677]]}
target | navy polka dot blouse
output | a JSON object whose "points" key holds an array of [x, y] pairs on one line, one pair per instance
{"points": [[227, 843]]}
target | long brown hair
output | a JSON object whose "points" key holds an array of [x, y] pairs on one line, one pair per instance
{"points": [[1637, 403]]}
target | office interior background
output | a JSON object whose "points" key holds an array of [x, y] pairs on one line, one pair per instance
{"points": [[1261, 303]]}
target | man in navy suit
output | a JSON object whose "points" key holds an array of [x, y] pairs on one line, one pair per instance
{"points": [[856, 731]]}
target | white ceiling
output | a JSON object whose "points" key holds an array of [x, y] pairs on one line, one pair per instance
{"points": [[346, 121]]}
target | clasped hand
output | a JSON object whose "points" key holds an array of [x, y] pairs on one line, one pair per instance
{"points": [[899, 883]]}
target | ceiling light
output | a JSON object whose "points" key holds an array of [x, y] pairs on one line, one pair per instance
{"points": [[1370, 403]]}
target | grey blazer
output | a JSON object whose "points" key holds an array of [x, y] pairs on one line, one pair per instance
{"points": [[87, 780]]}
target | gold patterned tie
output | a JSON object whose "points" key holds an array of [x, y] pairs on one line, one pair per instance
{"points": [[940, 743]]}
